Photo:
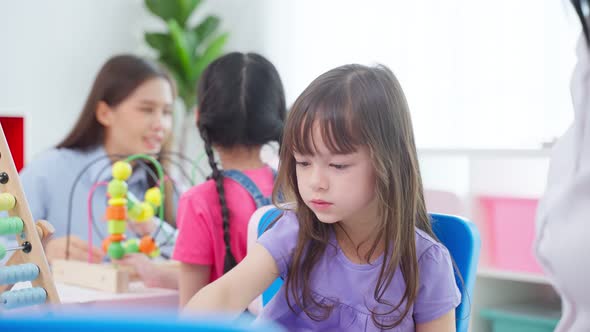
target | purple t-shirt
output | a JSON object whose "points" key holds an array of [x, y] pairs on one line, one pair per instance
{"points": [[350, 287]]}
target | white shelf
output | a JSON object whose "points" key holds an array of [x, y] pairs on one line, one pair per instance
{"points": [[485, 152], [486, 272]]}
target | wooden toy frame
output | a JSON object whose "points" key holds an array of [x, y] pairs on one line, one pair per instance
{"points": [[31, 233]]}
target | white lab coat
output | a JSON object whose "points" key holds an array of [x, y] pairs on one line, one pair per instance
{"points": [[563, 219]]}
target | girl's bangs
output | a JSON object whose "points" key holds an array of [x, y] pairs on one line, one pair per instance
{"points": [[338, 129]]}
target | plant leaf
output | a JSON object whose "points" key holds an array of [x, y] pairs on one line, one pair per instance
{"points": [[180, 46], [178, 10], [186, 9], [206, 28], [163, 9], [214, 50], [158, 41]]}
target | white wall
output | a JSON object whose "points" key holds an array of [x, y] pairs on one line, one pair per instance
{"points": [[52, 50], [476, 73]]}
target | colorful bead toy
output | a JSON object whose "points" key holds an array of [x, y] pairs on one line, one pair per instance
{"points": [[122, 206]]}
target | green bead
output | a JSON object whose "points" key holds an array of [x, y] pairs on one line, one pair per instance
{"points": [[11, 225], [116, 250], [117, 188], [117, 226], [2, 251], [132, 246]]}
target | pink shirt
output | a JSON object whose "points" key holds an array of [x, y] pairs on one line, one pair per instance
{"points": [[200, 225]]}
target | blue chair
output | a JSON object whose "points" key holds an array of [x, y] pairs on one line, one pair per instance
{"points": [[459, 235], [462, 239], [125, 320]]}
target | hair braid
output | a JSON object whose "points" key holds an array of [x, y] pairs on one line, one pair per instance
{"points": [[217, 175]]}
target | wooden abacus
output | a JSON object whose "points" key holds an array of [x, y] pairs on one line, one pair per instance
{"points": [[28, 262]]}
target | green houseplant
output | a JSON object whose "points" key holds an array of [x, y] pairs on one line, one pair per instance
{"points": [[185, 49]]}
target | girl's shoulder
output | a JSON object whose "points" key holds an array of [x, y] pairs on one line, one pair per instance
{"points": [[207, 191], [265, 170], [280, 240], [203, 194], [438, 292], [286, 223], [426, 245], [288, 219]]}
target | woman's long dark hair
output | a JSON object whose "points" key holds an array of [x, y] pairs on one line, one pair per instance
{"points": [[116, 81], [241, 103]]}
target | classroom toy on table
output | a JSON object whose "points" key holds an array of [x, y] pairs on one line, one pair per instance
{"points": [[28, 261], [122, 206]]}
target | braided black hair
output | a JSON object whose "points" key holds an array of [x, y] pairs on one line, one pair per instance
{"points": [[230, 260], [241, 103]]}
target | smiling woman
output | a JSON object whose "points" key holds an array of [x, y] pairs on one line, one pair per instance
{"points": [[140, 123], [128, 111]]}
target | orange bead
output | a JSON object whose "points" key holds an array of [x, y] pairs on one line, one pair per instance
{"points": [[147, 244], [117, 237], [105, 244], [116, 212]]}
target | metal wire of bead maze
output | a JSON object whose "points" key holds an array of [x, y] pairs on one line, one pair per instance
{"points": [[29, 257]]}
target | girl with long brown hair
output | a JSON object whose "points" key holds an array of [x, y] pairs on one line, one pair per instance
{"points": [[355, 247]]}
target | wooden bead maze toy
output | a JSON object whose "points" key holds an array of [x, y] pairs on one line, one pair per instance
{"points": [[122, 207], [28, 262]]}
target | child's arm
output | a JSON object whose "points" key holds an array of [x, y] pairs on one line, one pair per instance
{"points": [[193, 277], [445, 323], [237, 288]]}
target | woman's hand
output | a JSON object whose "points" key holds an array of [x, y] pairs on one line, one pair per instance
{"points": [[56, 249], [142, 228], [151, 274]]}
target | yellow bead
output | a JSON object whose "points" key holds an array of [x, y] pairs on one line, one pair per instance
{"points": [[147, 212], [142, 212], [153, 196], [7, 202], [117, 201], [122, 170]]}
